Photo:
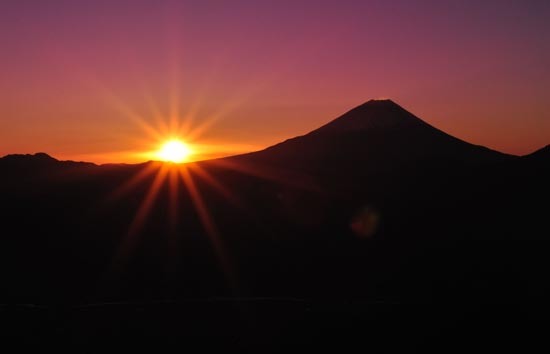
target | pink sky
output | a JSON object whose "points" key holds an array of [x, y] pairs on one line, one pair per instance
{"points": [[82, 80]]}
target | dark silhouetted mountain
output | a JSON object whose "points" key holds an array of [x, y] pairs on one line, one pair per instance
{"points": [[39, 170], [39, 156], [540, 154], [39, 160], [376, 136]]}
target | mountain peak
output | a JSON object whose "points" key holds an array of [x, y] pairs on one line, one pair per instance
{"points": [[39, 156], [39, 160], [381, 101], [375, 114], [43, 156], [382, 104]]}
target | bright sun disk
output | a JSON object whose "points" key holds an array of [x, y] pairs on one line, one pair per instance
{"points": [[174, 151]]}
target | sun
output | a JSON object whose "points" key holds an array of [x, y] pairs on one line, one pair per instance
{"points": [[175, 151]]}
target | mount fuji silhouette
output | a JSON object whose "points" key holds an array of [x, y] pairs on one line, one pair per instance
{"points": [[376, 138], [376, 132]]}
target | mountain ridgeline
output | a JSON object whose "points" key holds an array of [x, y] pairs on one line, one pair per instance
{"points": [[376, 205], [378, 134]]}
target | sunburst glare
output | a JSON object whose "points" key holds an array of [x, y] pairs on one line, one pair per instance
{"points": [[174, 150]]}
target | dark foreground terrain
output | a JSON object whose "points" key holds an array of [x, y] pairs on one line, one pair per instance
{"points": [[374, 232]]}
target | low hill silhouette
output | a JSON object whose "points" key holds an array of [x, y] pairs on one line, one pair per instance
{"points": [[541, 154]]}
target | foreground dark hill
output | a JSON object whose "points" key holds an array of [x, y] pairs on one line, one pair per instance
{"points": [[375, 208]]}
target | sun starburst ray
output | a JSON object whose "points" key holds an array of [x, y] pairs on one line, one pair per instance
{"points": [[133, 182], [129, 241], [285, 177], [174, 198], [208, 224], [217, 185]]}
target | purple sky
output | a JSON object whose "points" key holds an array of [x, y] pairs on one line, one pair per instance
{"points": [[81, 79]]}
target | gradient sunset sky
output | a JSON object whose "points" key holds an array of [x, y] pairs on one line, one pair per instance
{"points": [[106, 81]]}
